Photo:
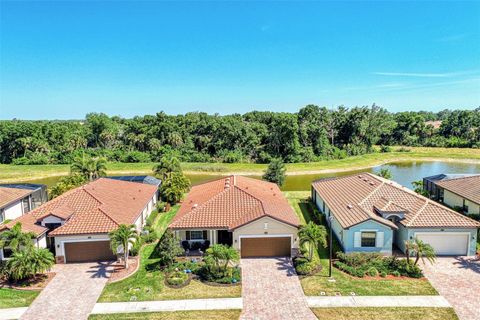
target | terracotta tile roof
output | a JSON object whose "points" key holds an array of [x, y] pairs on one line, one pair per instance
{"points": [[231, 202], [97, 207], [466, 187], [353, 199], [29, 224], [9, 195]]}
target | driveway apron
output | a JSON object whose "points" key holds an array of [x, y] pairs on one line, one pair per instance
{"points": [[458, 280], [271, 290], [72, 293]]}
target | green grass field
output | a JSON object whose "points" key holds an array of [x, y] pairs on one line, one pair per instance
{"points": [[345, 284], [175, 315], [11, 298], [385, 313], [9, 173]]}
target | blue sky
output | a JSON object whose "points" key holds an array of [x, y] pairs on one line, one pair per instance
{"points": [[62, 59]]}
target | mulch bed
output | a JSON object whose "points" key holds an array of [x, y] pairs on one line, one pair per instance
{"points": [[33, 284], [119, 272]]}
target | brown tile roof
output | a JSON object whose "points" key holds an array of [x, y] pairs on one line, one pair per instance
{"points": [[353, 199], [466, 187], [9, 195], [231, 202], [29, 224], [97, 207]]}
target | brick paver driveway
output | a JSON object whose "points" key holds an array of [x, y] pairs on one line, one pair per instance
{"points": [[458, 280], [271, 290], [72, 293]]}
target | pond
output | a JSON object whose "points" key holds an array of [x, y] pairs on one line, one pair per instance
{"points": [[403, 173]]}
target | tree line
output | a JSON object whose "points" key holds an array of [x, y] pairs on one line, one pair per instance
{"points": [[311, 134]]}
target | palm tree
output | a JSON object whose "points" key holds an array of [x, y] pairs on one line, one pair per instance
{"points": [[15, 238], [122, 238], [167, 167], [424, 250], [29, 262], [313, 235], [222, 255], [88, 167]]}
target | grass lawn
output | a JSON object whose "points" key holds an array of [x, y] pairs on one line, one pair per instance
{"points": [[175, 315], [147, 284], [345, 284], [386, 313], [11, 298], [9, 173]]}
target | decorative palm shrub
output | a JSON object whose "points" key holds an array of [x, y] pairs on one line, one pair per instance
{"points": [[217, 267], [28, 262], [122, 238]]}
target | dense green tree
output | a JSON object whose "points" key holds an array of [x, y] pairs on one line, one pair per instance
{"points": [[312, 134], [174, 187], [166, 167], [275, 172], [385, 173], [66, 183], [168, 248]]}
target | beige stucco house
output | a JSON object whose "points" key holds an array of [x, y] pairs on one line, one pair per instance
{"points": [[251, 215]]}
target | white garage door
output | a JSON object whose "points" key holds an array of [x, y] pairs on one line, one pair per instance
{"points": [[446, 243]]}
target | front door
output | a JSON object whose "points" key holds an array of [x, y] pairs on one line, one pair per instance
{"points": [[225, 237]]}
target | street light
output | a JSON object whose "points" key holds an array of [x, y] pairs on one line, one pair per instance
{"points": [[330, 219]]}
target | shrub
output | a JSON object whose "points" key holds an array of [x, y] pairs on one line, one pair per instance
{"points": [[395, 273], [383, 274], [303, 266], [177, 278], [385, 149], [403, 149], [135, 249], [149, 236], [372, 272], [135, 156]]}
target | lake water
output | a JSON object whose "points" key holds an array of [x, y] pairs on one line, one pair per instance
{"points": [[403, 173]]}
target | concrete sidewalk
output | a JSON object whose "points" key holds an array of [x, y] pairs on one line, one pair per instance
{"points": [[168, 305], [12, 313], [378, 301]]}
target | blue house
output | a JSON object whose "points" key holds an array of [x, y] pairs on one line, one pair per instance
{"points": [[372, 214]]}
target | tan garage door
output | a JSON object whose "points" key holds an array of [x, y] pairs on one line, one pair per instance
{"points": [[88, 251], [265, 247]]}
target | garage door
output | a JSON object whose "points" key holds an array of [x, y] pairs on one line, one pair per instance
{"points": [[265, 247], [88, 251], [446, 243]]}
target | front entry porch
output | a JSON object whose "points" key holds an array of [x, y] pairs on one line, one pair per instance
{"points": [[202, 239]]}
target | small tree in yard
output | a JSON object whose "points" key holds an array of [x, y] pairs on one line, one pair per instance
{"points": [[275, 172], [420, 250], [123, 237], [173, 188], [168, 248], [313, 235]]}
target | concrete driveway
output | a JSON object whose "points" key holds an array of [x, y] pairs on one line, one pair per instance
{"points": [[72, 293], [271, 290], [458, 280]]}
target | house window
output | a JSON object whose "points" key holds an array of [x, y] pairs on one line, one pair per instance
{"points": [[465, 207], [368, 239], [196, 235]]}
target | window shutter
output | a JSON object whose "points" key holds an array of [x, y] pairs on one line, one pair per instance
{"points": [[205, 235], [379, 240], [357, 239], [187, 235]]}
